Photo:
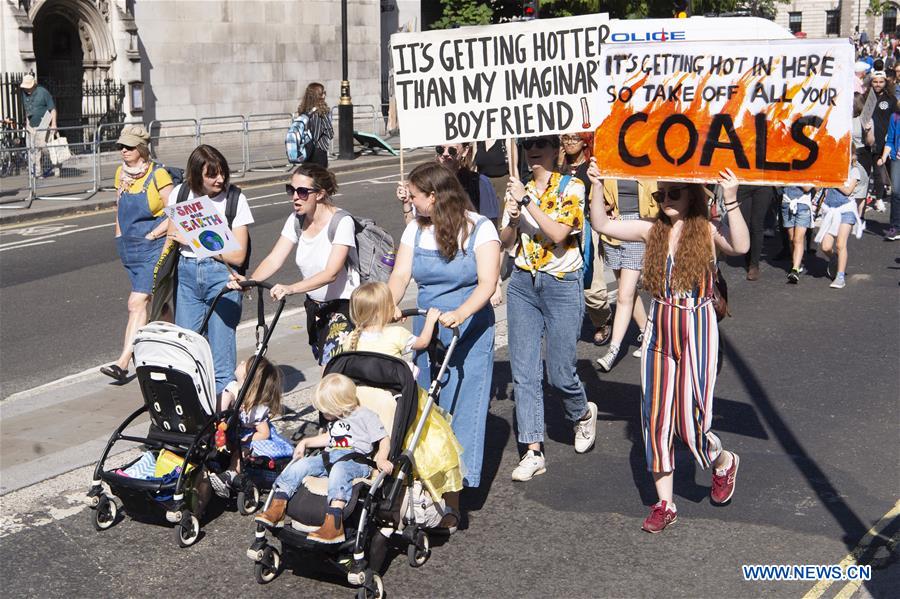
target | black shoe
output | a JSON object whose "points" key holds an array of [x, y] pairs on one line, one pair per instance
{"points": [[221, 483], [113, 371], [794, 276]]}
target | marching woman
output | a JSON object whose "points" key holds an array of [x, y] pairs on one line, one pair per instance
{"points": [[327, 275], [453, 254], [142, 190], [201, 279], [320, 125], [680, 347], [545, 300]]}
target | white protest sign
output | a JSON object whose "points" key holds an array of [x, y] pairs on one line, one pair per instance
{"points": [[206, 230], [773, 112], [498, 81]]}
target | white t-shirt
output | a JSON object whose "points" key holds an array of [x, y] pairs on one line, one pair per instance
{"points": [[486, 233], [242, 217], [313, 253]]}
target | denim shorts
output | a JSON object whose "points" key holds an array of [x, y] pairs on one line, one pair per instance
{"points": [[802, 218], [848, 218], [139, 257]]}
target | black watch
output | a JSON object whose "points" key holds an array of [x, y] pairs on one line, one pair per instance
{"points": [[526, 199]]}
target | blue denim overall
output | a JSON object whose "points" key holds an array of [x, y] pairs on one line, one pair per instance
{"points": [[445, 285], [138, 254]]}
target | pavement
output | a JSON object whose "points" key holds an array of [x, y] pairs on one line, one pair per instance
{"points": [[807, 397]]}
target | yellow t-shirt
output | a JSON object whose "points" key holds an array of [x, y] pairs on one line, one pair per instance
{"points": [[161, 178], [392, 341]]}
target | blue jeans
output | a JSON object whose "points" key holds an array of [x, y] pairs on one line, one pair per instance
{"points": [[340, 481], [895, 193], [549, 309], [199, 281]]}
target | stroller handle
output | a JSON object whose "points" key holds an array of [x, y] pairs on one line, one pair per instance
{"points": [[419, 312], [250, 283]]}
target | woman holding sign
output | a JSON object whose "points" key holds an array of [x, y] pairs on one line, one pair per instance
{"points": [[680, 348], [453, 254], [328, 276], [201, 279], [545, 299], [142, 190]]}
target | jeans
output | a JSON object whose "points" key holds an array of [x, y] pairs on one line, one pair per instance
{"points": [[549, 309], [199, 281], [340, 481], [895, 193]]}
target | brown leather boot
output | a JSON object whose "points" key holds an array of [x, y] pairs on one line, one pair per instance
{"points": [[274, 516], [332, 530]]}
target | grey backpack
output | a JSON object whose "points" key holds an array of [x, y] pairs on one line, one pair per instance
{"points": [[374, 255]]}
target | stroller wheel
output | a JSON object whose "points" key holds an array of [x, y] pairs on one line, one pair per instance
{"points": [[269, 567], [248, 500], [105, 514], [419, 550], [374, 588], [188, 530]]}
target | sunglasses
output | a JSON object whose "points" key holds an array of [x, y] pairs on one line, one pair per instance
{"points": [[540, 144], [673, 193], [439, 150], [302, 192], [124, 147], [570, 140]]}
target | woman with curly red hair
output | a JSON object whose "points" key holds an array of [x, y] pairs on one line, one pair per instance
{"points": [[680, 346]]}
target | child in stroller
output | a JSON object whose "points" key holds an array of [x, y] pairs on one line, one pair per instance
{"points": [[352, 433], [259, 440]]}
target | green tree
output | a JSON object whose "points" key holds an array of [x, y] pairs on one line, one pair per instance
{"points": [[459, 13]]}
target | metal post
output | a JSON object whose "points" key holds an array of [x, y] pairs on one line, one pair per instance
{"points": [[345, 111]]}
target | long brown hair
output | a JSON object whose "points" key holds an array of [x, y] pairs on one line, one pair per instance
{"points": [[265, 387], [448, 215], [205, 160], [313, 100], [694, 256]]}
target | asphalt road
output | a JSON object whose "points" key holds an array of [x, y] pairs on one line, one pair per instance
{"points": [[65, 292], [807, 397]]}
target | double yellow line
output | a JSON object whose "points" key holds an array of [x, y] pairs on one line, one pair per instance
{"points": [[853, 557]]}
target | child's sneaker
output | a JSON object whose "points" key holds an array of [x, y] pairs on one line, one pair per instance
{"points": [[839, 282], [723, 483], [332, 530], [661, 515], [531, 465], [221, 483]]}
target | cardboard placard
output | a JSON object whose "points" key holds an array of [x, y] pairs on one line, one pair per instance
{"points": [[204, 228]]}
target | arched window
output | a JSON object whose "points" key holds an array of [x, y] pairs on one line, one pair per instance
{"points": [[889, 19]]}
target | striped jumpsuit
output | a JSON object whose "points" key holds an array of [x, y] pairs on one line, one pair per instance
{"points": [[678, 375]]}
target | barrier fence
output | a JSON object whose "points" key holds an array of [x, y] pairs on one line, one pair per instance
{"points": [[251, 143]]}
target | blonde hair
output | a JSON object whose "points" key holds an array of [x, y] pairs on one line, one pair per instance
{"points": [[335, 395], [371, 305], [265, 387]]}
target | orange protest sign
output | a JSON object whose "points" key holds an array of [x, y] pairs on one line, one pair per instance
{"points": [[773, 112]]}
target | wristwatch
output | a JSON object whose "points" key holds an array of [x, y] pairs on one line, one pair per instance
{"points": [[526, 199]]}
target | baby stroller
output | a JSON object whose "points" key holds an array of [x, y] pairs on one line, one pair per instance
{"points": [[380, 509], [177, 381]]}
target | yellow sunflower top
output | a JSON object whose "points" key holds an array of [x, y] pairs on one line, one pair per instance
{"points": [[536, 252]]}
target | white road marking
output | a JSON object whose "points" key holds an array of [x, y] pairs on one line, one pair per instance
{"points": [[27, 245], [60, 234]]}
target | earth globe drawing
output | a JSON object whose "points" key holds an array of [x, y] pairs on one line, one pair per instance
{"points": [[212, 241]]}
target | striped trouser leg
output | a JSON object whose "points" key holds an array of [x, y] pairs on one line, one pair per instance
{"points": [[696, 378], [658, 369]]}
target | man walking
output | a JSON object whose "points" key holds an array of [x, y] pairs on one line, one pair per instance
{"points": [[40, 121]]}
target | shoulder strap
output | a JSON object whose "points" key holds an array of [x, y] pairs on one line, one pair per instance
{"points": [[183, 193], [232, 197], [474, 232], [150, 177], [336, 219]]}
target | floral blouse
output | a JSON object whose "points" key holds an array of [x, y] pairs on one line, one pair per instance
{"points": [[536, 252]]}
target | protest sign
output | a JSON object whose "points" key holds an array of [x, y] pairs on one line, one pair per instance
{"points": [[774, 112], [205, 229], [498, 81]]}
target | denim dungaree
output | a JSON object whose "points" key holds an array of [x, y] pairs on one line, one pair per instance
{"points": [[445, 285], [138, 254]]}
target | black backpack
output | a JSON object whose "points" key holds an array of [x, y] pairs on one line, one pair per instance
{"points": [[232, 196]]}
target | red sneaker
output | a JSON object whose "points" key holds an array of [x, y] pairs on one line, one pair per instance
{"points": [[723, 485], [660, 517]]}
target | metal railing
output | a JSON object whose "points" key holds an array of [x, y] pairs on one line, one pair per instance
{"points": [[15, 166], [76, 174], [228, 135], [265, 142]]}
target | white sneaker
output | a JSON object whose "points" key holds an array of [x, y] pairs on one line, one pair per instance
{"points": [[531, 465], [586, 430], [640, 341], [879, 205]]}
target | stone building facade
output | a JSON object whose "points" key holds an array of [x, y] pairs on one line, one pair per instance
{"points": [[835, 18], [186, 59]]}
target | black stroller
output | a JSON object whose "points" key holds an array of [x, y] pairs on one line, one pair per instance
{"points": [[379, 510], [177, 380]]}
